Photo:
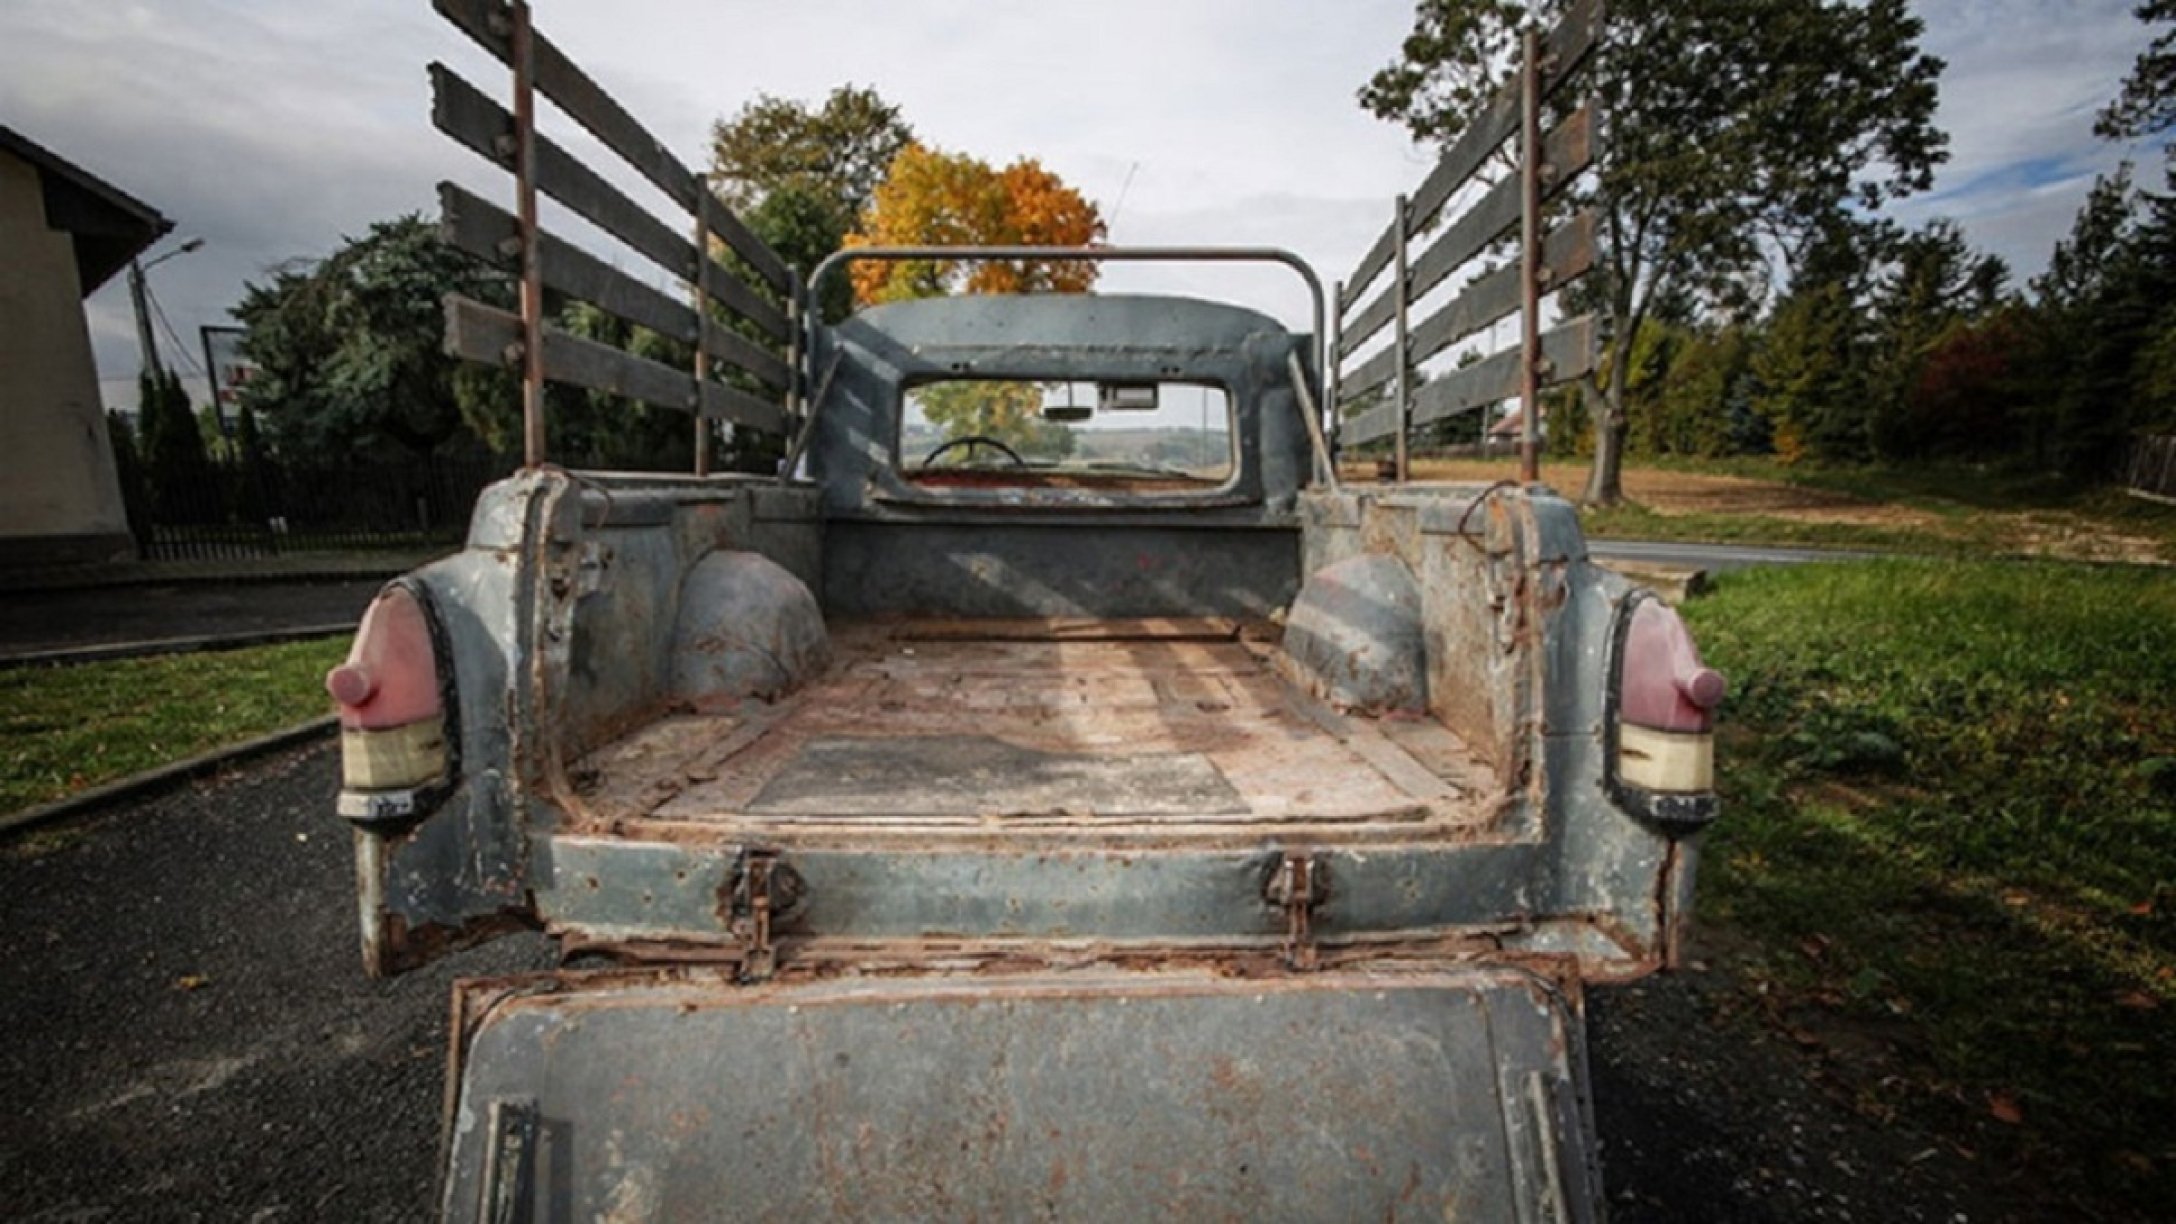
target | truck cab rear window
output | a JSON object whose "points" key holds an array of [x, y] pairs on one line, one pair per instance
{"points": [[1107, 436]]}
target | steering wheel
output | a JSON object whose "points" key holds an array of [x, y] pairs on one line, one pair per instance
{"points": [[973, 440]]}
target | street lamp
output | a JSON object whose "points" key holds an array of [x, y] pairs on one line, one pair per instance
{"points": [[141, 299]]}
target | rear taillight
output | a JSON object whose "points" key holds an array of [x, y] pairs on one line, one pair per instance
{"points": [[1663, 731], [393, 725]]}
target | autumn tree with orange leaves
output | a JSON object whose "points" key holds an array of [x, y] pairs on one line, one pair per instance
{"points": [[933, 198]]}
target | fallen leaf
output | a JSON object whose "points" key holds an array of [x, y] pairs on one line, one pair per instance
{"points": [[2137, 1000], [2005, 1108], [191, 981], [2143, 908]]}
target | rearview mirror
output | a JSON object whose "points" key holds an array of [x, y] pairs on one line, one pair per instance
{"points": [[1126, 397]]}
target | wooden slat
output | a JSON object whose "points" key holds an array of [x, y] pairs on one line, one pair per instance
{"points": [[720, 220], [730, 291], [586, 102], [462, 111], [1568, 348], [1497, 123], [1373, 425], [1566, 254], [487, 335], [1371, 265], [483, 230], [1564, 49], [1567, 150], [1372, 318]]}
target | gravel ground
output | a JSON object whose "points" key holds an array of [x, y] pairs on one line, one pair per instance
{"points": [[193, 1038], [54, 620]]}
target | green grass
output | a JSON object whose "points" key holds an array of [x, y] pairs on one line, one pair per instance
{"points": [[65, 729], [1949, 847]]}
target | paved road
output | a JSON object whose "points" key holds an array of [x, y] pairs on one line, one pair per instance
{"points": [[55, 620], [1714, 558], [191, 1037]]}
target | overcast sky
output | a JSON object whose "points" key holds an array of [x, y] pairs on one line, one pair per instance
{"points": [[273, 129]]}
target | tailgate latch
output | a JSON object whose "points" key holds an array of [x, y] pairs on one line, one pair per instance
{"points": [[1297, 884], [764, 890]]}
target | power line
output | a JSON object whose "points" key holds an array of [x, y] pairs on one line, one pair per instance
{"points": [[171, 334]]}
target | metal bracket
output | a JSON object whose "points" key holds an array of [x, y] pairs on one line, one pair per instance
{"points": [[509, 1174], [1297, 885], [764, 891]]}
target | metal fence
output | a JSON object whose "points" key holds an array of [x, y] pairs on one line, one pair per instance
{"points": [[236, 509], [2153, 468]]}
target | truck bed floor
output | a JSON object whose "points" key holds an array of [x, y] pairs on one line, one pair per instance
{"points": [[1038, 723]]}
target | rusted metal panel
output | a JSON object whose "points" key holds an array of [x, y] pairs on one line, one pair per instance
{"points": [[1013, 569], [854, 453], [1096, 1095]]}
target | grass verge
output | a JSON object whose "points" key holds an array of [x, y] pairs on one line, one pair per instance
{"points": [[65, 729], [1949, 850]]}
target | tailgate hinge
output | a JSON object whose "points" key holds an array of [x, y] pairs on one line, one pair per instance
{"points": [[765, 889], [1297, 884]]}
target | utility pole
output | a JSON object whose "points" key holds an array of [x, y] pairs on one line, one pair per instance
{"points": [[140, 297], [143, 320]]}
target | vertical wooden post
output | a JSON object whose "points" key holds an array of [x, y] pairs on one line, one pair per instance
{"points": [[1399, 287], [702, 336], [797, 354], [532, 272], [1530, 257], [1333, 377]]}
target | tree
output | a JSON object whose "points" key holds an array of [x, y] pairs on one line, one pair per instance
{"points": [[2146, 105], [804, 227], [800, 176], [836, 153], [2104, 312], [933, 198], [1809, 375], [1931, 284], [348, 353], [1010, 412], [1740, 131]]}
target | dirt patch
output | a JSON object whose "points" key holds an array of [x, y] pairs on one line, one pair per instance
{"points": [[2078, 540], [1667, 492], [1675, 494]]}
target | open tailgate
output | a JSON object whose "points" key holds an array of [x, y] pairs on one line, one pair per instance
{"points": [[1083, 1095]]}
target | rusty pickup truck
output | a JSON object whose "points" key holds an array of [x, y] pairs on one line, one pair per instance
{"points": [[1054, 797]]}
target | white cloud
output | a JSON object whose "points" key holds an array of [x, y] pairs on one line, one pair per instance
{"points": [[271, 130], [2024, 80]]}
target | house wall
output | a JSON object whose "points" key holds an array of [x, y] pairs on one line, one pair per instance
{"points": [[60, 501]]}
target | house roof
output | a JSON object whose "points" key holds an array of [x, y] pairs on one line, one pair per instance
{"points": [[109, 226]]}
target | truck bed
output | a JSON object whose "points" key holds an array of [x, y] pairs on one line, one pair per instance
{"points": [[996, 725]]}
